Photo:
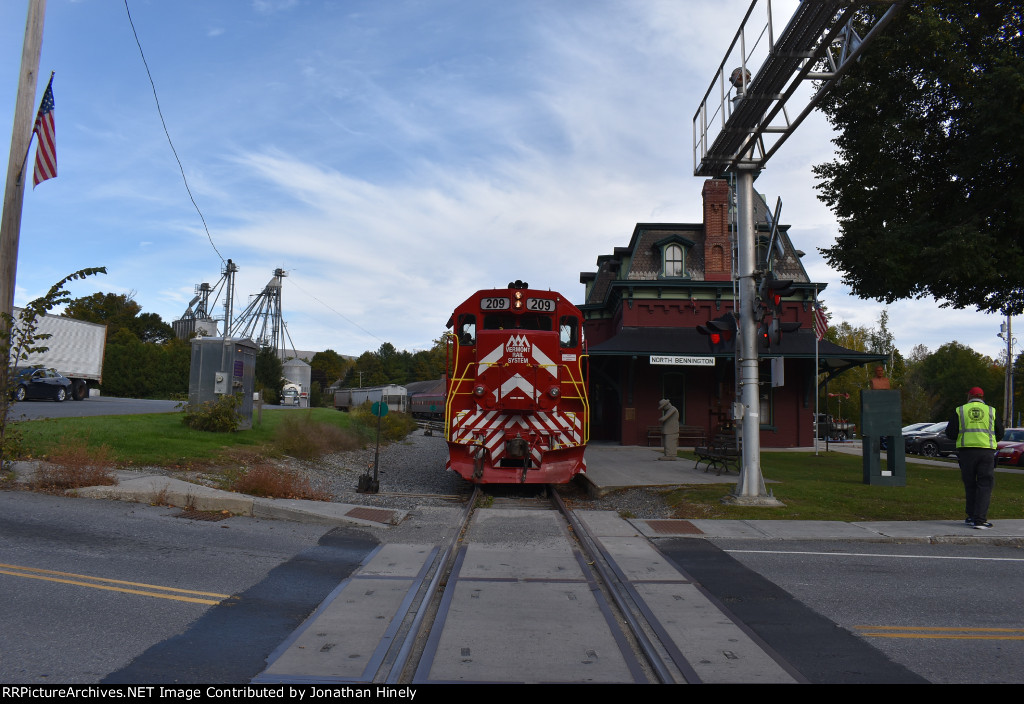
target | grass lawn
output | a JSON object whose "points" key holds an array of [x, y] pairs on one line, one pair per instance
{"points": [[829, 487], [162, 439]]}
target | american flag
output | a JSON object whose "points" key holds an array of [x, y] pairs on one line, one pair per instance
{"points": [[820, 322], [46, 147]]}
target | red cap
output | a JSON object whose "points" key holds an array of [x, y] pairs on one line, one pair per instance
{"points": [[976, 392]]}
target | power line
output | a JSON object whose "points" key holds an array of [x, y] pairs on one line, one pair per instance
{"points": [[336, 312], [166, 132]]}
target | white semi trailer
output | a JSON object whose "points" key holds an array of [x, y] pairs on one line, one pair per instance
{"points": [[75, 349]]}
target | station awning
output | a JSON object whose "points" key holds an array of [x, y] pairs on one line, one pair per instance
{"points": [[644, 341]]}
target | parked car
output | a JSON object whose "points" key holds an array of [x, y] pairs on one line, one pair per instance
{"points": [[34, 382], [1011, 447], [904, 431], [930, 441]]}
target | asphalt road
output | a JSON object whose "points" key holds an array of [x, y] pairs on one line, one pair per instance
{"points": [[104, 591], [98, 406], [101, 591], [946, 613]]}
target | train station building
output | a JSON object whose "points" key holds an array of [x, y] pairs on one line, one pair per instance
{"points": [[642, 308]]}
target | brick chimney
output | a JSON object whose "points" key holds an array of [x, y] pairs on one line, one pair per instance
{"points": [[717, 248]]}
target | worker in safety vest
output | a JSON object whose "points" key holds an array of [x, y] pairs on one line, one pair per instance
{"points": [[976, 430]]}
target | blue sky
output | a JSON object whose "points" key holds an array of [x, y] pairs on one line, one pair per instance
{"points": [[392, 155]]}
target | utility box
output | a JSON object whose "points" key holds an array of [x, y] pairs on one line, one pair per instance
{"points": [[223, 366], [880, 417]]}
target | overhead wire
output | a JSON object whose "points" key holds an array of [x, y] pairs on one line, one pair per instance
{"points": [[185, 179], [351, 322], [167, 132]]}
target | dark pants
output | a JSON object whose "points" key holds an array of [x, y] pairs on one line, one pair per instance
{"points": [[978, 470]]}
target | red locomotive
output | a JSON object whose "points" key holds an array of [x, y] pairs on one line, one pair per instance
{"points": [[516, 407]]}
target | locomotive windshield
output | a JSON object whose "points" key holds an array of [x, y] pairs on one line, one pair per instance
{"points": [[510, 321]]}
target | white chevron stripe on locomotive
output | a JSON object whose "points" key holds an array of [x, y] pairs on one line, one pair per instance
{"points": [[513, 383], [491, 358], [492, 426]]}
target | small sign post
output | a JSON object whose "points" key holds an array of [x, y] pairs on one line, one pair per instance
{"points": [[366, 484]]}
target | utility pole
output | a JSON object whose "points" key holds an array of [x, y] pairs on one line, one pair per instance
{"points": [[1006, 333], [21, 138]]}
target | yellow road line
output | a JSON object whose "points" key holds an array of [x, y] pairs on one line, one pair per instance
{"points": [[93, 582], [935, 632]]}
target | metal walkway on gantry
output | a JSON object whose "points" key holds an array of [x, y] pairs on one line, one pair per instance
{"points": [[743, 118]]}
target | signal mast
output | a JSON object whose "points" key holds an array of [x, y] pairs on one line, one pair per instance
{"points": [[742, 120]]}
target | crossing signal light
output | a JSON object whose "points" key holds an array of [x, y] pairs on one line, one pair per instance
{"points": [[721, 334], [771, 333], [773, 290]]}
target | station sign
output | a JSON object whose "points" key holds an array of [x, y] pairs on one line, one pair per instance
{"points": [[683, 360]]}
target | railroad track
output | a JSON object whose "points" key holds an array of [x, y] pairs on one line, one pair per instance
{"points": [[522, 590]]}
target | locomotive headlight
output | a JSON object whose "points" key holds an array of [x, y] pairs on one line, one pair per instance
{"points": [[518, 303], [479, 390], [553, 392]]}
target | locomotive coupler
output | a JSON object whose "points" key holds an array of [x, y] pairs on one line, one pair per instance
{"points": [[478, 462]]}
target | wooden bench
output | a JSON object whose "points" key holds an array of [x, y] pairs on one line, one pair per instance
{"points": [[689, 435], [721, 453]]}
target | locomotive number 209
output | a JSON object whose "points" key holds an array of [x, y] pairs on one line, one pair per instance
{"points": [[542, 304], [494, 303]]}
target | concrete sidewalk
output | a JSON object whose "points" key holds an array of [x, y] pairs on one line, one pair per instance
{"points": [[609, 468]]}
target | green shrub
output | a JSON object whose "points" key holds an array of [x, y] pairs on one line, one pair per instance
{"points": [[220, 416], [393, 427]]}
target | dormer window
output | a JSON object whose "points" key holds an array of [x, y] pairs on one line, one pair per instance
{"points": [[673, 256]]}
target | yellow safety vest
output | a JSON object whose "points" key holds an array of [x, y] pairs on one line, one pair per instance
{"points": [[977, 425]]}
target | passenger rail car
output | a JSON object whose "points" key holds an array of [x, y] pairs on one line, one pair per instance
{"points": [[516, 408]]}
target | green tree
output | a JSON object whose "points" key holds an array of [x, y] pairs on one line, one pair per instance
{"points": [[368, 370], [928, 183], [269, 375], [1018, 391], [951, 370], [327, 367], [119, 311], [429, 364], [843, 399], [136, 369], [918, 404]]}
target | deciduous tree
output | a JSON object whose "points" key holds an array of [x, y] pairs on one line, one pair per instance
{"points": [[928, 182]]}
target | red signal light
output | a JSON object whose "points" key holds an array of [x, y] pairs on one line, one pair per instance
{"points": [[716, 338]]}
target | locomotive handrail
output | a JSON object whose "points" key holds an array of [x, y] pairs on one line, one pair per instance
{"points": [[454, 381], [582, 397]]}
